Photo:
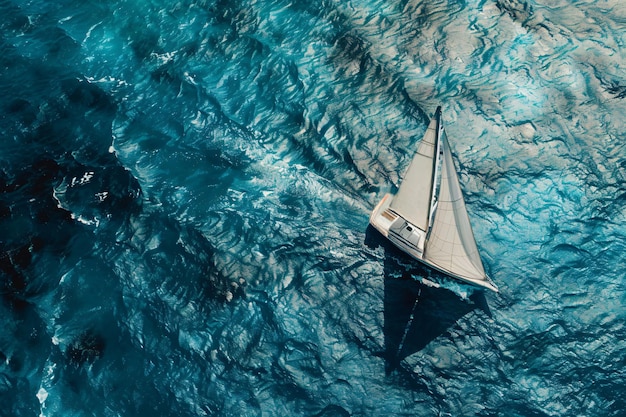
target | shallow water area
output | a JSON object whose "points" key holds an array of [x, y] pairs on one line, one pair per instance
{"points": [[186, 189]]}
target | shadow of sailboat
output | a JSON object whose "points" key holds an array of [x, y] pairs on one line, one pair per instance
{"points": [[416, 313]]}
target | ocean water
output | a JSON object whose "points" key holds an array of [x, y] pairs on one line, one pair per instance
{"points": [[185, 196]]}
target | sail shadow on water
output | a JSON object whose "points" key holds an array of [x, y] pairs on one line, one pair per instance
{"points": [[416, 313]]}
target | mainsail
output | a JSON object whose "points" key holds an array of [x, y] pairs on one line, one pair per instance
{"points": [[451, 245], [414, 197]]}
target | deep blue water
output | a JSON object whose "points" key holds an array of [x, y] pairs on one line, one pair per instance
{"points": [[186, 189]]}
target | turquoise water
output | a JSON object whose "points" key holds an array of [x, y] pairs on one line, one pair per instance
{"points": [[186, 189]]}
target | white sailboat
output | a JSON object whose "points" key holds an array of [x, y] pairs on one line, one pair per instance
{"points": [[427, 217]]}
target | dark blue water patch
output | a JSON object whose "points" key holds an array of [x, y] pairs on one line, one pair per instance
{"points": [[12, 263], [517, 9], [86, 97], [615, 88], [24, 343], [23, 112], [86, 348], [98, 195], [30, 206], [333, 411], [144, 40], [351, 48], [72, 119], [13, 20]]}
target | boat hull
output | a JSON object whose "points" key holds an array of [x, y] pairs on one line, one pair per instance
{"points": [[411, 240]]}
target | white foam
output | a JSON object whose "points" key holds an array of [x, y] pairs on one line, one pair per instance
{"points": [[42, 395]]}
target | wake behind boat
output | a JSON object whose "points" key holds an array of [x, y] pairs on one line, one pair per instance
{"points": [[427, 217]]}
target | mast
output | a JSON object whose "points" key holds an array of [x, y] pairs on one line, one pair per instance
{"points": [[433, 196]]}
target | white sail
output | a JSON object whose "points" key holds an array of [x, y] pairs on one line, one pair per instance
{"points": [[451, 245], [413, 200]]}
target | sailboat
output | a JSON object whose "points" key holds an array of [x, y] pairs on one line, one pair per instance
{"points": [[427, 218]]}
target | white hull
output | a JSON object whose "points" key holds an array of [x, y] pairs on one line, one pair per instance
{"points": [[410, 239]]}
